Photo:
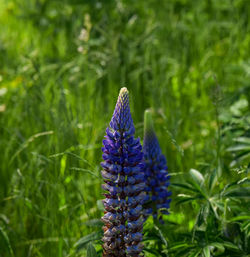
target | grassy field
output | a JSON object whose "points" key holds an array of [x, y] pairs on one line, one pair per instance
{"points": [[62, 64]]}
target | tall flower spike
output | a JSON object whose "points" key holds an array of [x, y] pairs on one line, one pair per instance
{"points": [[156, 175], [124, 184]]}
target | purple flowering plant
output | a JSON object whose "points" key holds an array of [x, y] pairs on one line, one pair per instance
{"points": [[156, 174], [123, 175]]}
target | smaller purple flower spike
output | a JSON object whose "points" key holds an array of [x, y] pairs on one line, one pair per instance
{"points": [[156, 174], [122, 172]]}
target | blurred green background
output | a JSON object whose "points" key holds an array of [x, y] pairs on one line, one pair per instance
{"points": [[62, 64]]}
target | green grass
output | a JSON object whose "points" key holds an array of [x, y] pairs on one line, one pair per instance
{"points": [[187, 60]]}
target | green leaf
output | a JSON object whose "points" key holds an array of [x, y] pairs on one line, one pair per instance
{"points": [[230, 245], [240, 192], [94, 223], [91, 252], [4, 219], [200, 188], [212, 179], [244, 140], [238, 148], [100, 205], [202, 215], [194, 254], [238, 107], [85, 170], [206, 251], [185, 186], [218, 246], [197, 176], [153, 251], [163, 239], [180, 245], [6, 240], [188, 199], [239, 218], [82, 242], [245, 226], [240, 158]]}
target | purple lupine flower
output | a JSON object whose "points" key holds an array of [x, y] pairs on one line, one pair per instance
{"points": [[124, 182], [156, 174]]}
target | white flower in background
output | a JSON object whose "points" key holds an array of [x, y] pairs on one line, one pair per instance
{"points": [[84, 35], [80, 49]]}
